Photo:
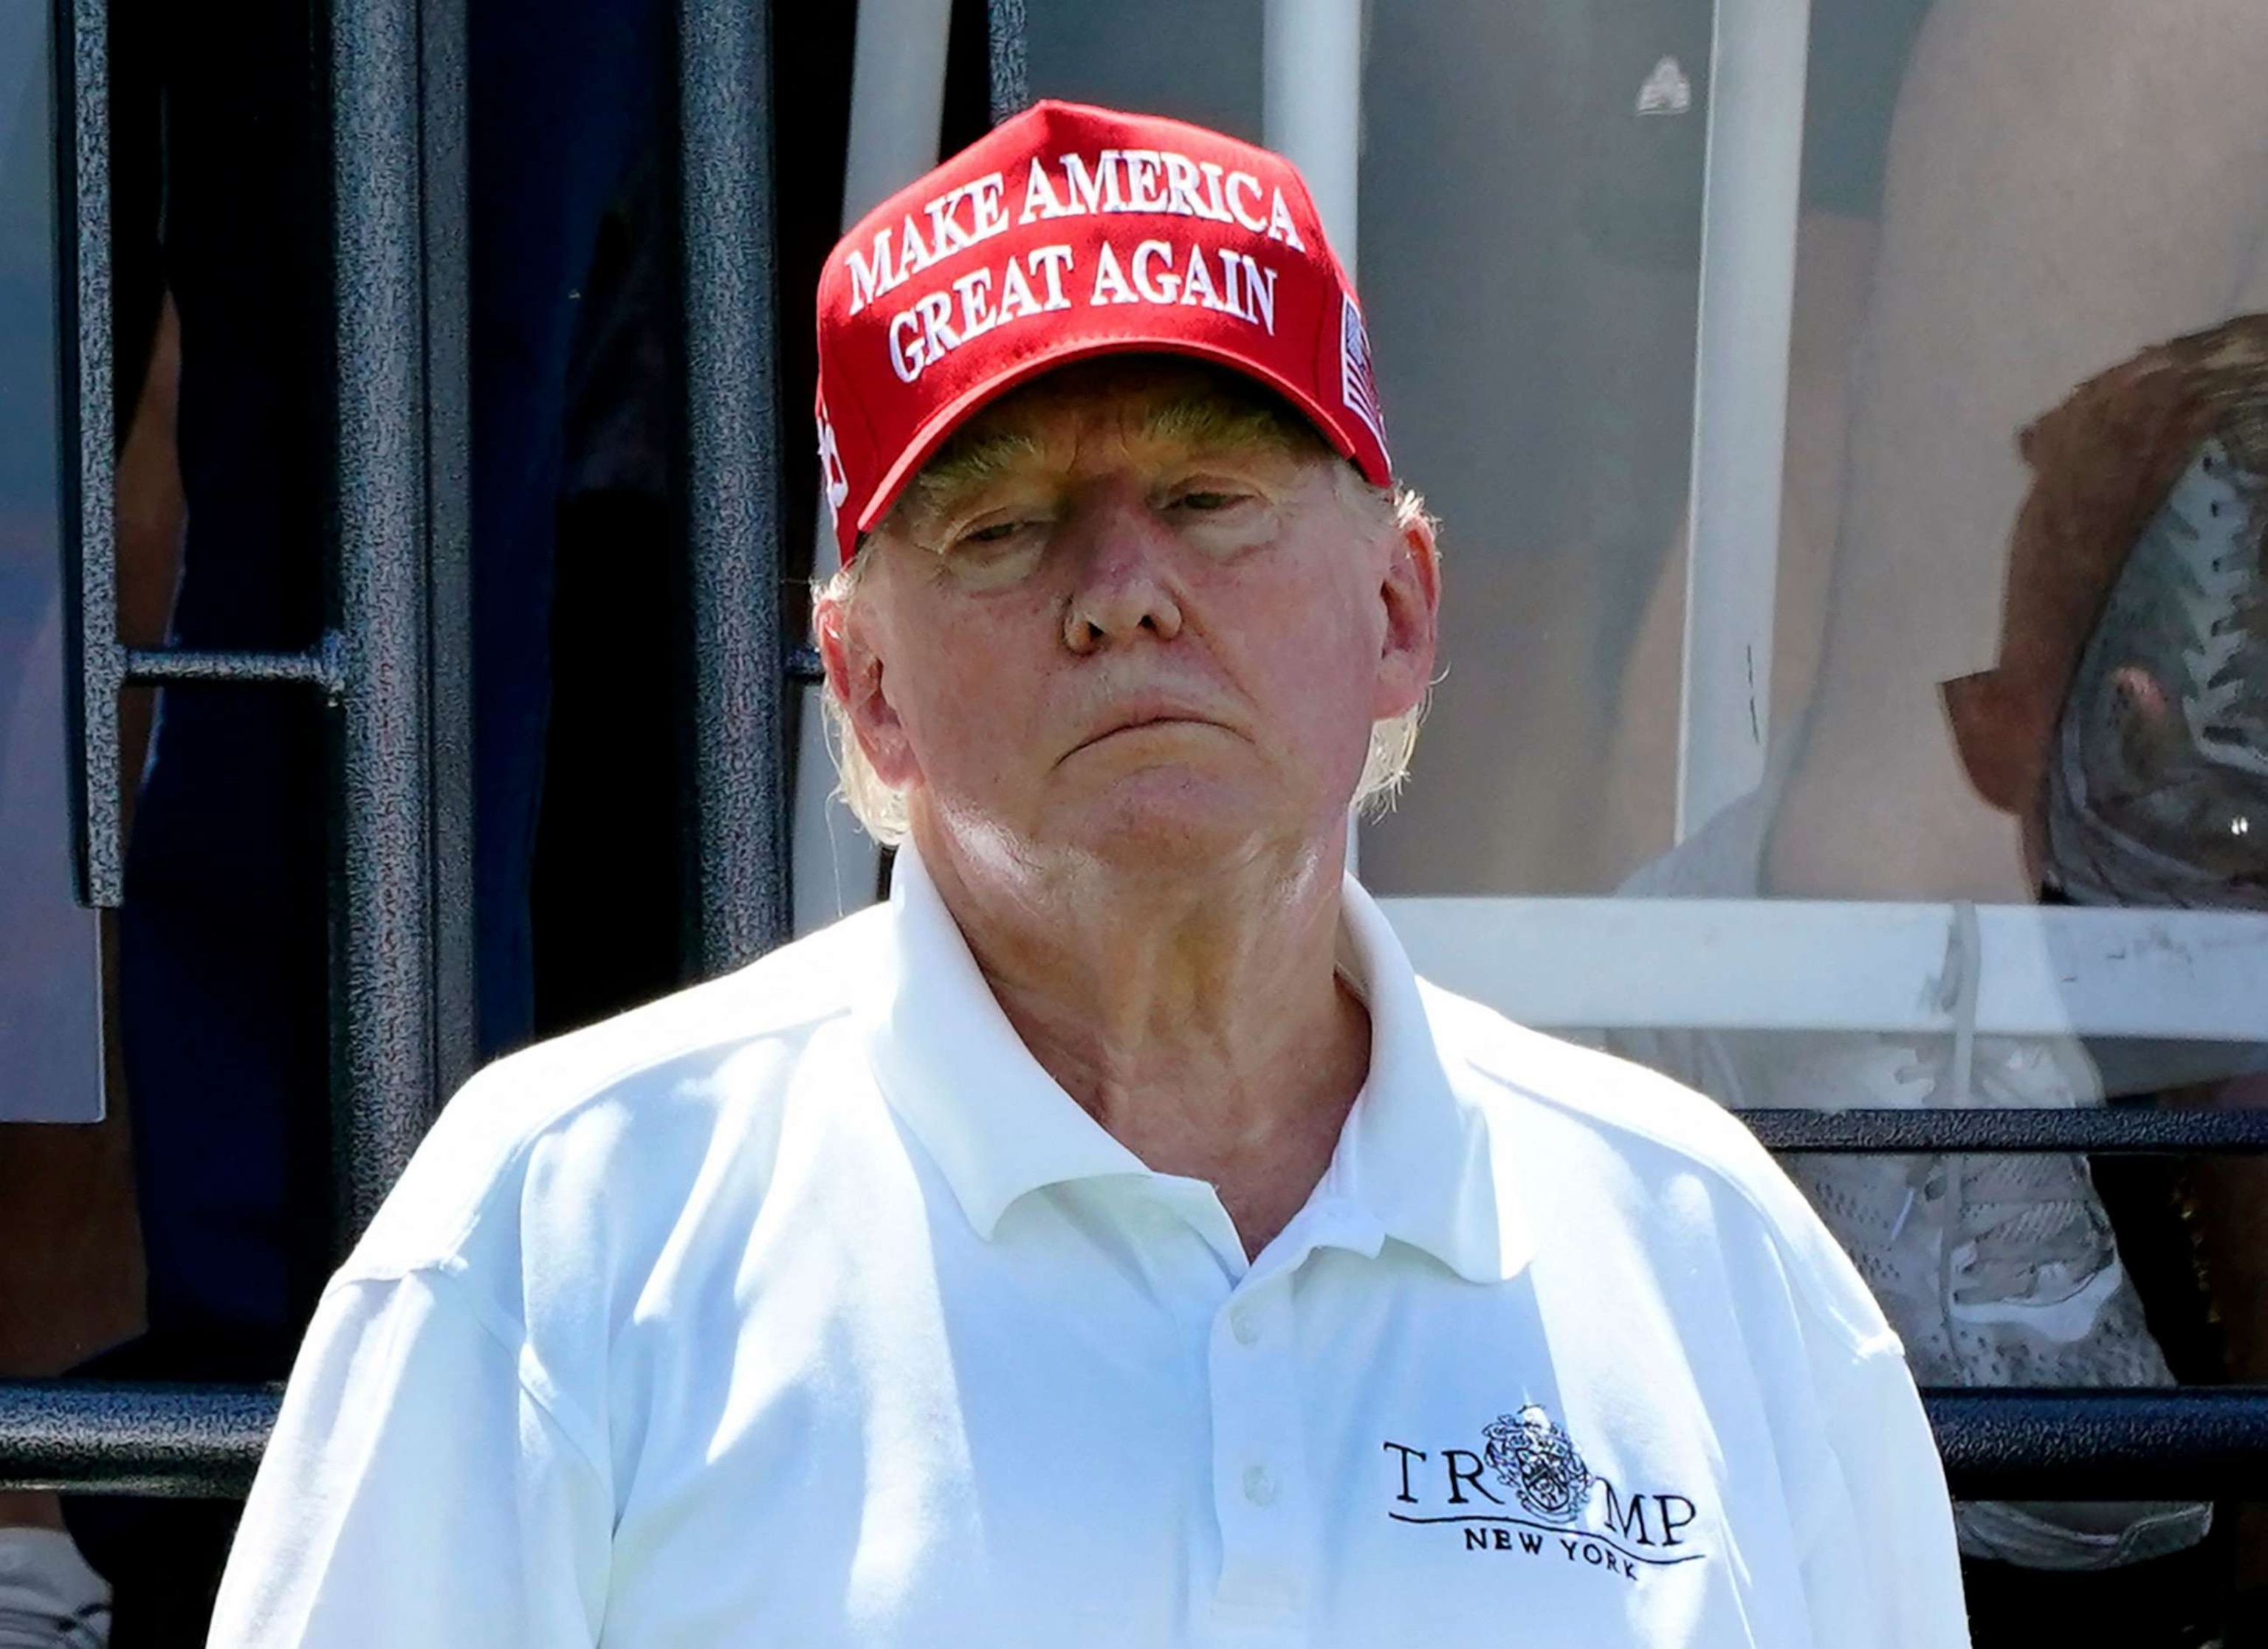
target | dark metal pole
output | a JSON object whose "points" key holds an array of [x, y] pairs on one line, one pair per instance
{"points": [[2140, 1129], [383, 914], [160, 666], [1008, 58], [2065, 1445], [2182, 1444], [99, 1438], [733, 477], [98, 859], [448, 444]]}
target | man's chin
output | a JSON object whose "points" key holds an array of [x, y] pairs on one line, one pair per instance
{"points": [[1162, 819], [1179, 823]]}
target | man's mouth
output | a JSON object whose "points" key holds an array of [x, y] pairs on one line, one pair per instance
{"points": [[1138, 719]]}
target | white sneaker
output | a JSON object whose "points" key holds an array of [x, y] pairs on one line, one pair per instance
{"points": [[2158, 780], [1995, 1270], [49, 1598]]}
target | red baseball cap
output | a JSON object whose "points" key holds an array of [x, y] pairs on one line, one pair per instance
{"points": [[1067, 232]]}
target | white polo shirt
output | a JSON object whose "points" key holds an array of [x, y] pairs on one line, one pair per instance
{"points": [[804, 1308]]}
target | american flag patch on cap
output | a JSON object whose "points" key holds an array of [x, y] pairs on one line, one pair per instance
{"points": [[1356, 387]]}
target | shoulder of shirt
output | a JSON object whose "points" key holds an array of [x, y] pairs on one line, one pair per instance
{"points": [[1634, 1110], [475, 1151]]}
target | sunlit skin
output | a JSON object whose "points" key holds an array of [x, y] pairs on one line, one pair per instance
{"points": [[1125, 662]]}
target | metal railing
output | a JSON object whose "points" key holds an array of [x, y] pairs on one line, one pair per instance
{"points": [[394, 666], [733, 470]]}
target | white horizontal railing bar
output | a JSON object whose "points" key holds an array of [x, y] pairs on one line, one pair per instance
{"points": [[1788, 964]]}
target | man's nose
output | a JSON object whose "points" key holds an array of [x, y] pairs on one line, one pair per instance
{"points": [[1123, 589]]}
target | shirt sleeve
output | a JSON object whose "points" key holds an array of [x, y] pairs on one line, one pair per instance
{"points": [[1880, 1566], [418, 1491]]}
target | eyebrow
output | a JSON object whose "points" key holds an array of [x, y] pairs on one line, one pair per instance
{"points": [[1204, 419], [970, 461], [1214, 421]]}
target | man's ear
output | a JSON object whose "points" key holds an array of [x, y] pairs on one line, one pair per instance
{"points": [[850, 648], [1411, 593]]}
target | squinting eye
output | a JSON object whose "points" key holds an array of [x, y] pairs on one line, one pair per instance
{"points": [[996, 552], [1207, 503]]}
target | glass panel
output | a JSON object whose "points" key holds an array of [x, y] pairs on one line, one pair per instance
{"points": [[1530, 210], [50, 1047], [2016, 718], [1531, 245], [1139, 58]]}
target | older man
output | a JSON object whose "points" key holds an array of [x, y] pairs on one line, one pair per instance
{"points": [[1109, 1242]]}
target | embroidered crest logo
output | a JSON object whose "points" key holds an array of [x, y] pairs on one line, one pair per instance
{"points": [[1527, 1492], [1537, 1460]]}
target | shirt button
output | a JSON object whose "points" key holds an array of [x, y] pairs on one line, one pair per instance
{"points": [[1259, 1487], [1241, 1324]]}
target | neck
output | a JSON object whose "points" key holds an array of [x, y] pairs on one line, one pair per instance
{"points": [[1198, 1016]]}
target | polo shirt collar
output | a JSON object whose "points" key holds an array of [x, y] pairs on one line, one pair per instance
{"points": [[952, 1066], [1413, 1157], [1415, 1153]]}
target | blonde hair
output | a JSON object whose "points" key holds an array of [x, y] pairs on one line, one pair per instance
{"points": [[881, 808]]}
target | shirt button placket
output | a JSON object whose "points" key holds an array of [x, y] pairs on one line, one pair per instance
{"points": [[1259, 1486]]}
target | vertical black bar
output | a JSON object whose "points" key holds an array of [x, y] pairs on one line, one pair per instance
{"points": [[1008, 58], [90, 471], [448, 426], [733, 479], [383, 914]]}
